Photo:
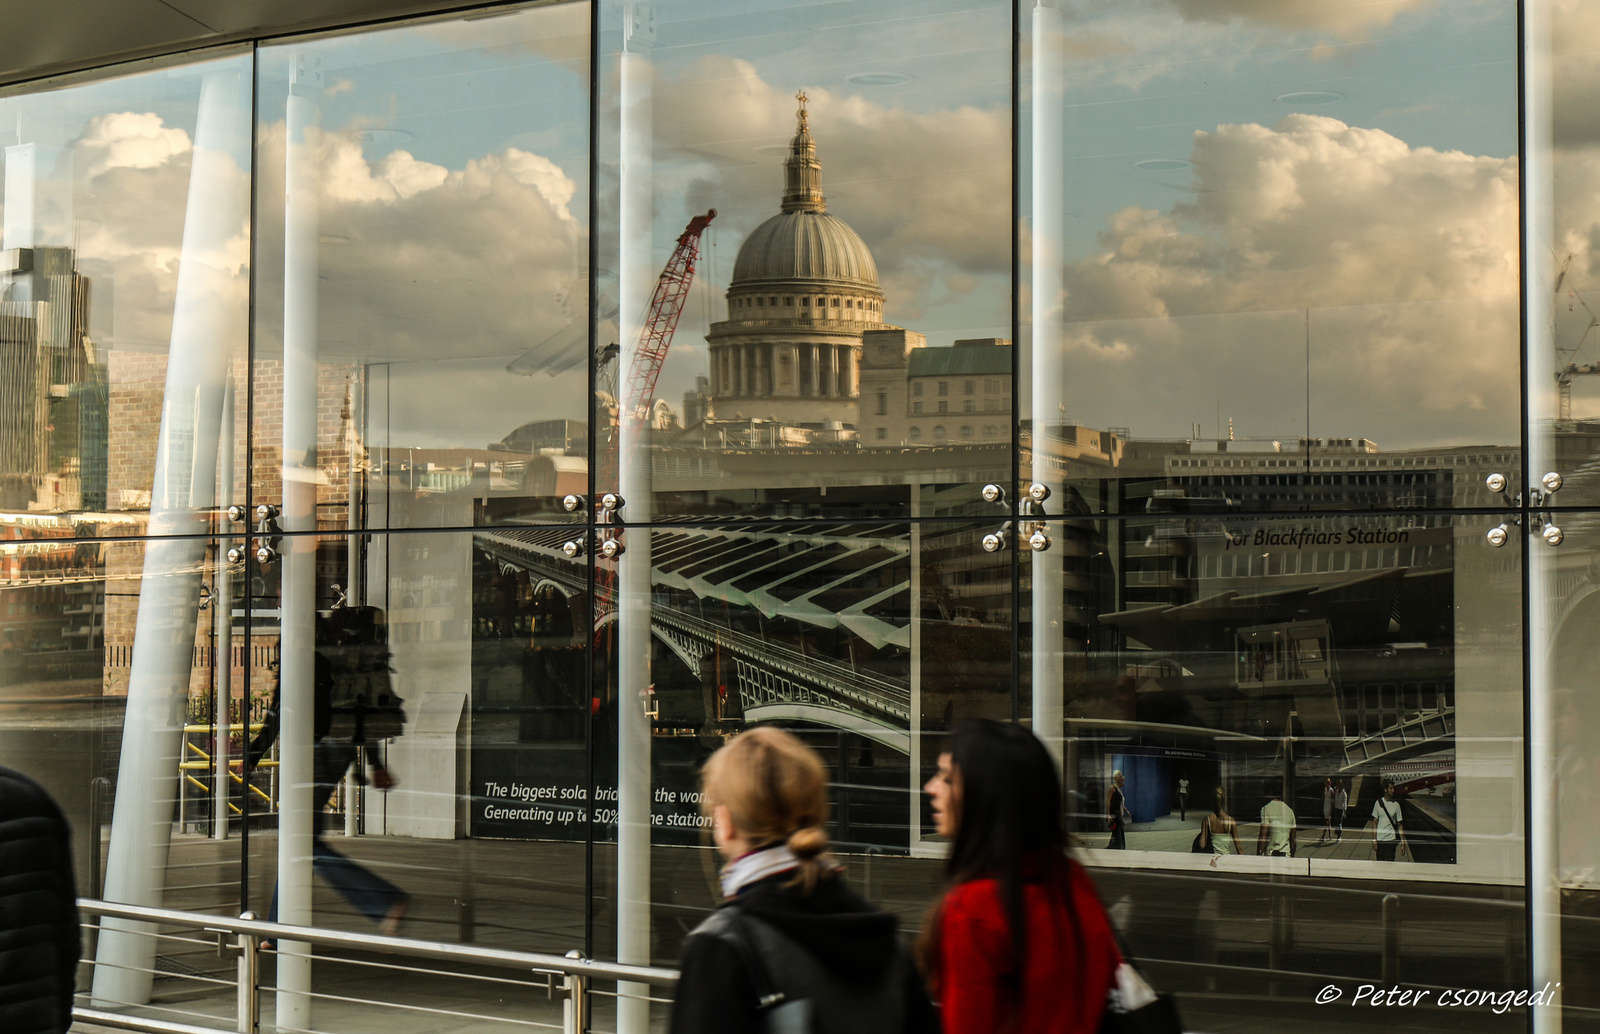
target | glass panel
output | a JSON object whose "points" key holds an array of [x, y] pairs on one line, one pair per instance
{"points": [[850, 343], [1562, 149], [459, 672], [123, 327], [110, 303], [1261, 280], [814, 629], [79, 649], [429, 257], [1256, 684]]}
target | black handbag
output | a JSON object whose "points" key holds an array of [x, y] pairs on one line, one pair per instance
{"points": [[1202, 845]]}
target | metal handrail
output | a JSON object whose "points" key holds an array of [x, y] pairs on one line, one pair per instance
{"points": [[249, 933]]}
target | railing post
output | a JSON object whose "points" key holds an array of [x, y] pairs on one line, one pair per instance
{"points": [[249, 1007], [575, 1008], [1391, 939]]}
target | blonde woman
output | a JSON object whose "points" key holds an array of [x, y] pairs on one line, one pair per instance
{"points": [[791, 943]]}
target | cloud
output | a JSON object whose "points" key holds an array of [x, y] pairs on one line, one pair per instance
{"points": [[1343, 20], [929, 191], [450, 273], [1575, 71], [128, 140], [1394, 268], [128, 223]]}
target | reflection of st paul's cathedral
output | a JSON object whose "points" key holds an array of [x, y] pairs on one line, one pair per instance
{"points": [[805, 339]]}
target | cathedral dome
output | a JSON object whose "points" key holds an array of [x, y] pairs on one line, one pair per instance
{"points": [[805, 245], [804, 242]]}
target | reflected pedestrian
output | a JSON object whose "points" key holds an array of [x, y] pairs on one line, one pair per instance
{"points": [[1183, 799], [1117, 814], [1341, 804], [39, 939], [1327, 808], [1276, 834], [370, 894], [1219, 828], [1389, 831], [793, 944], [1020, 941]]}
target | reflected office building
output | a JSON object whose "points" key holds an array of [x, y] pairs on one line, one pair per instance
{"points": [[527, 399]]}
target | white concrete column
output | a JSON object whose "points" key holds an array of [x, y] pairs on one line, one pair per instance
{"points": [[1047, 358], [1539, 239], [222, 629], [209, 318], [297, 665], [639, 274]]}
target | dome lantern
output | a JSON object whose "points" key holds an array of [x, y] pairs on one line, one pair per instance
{"points": [[802, 173]]}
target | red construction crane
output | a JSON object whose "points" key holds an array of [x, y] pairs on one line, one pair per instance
{"points": [[655, 338], [666, 305]]}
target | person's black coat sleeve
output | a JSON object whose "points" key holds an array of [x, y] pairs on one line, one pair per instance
{"points": [[715, 994], [68, 934]]}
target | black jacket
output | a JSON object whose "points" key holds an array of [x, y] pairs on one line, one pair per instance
{"points": [[855, 943], [38, 910]]}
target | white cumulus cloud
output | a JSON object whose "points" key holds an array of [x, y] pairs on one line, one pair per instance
{"points": [[1315, 257]]}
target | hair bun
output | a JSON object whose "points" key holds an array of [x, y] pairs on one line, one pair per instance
{"points": [[809, 842]]}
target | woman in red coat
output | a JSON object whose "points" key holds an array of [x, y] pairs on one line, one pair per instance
{"points": [[1020, 941]]}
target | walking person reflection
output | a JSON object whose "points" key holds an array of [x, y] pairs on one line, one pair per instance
{"points": [[1389, 831], [1341, 804], [1117, 814], [1221, 831], [792, 943], [371, 894], [1020, 941]]}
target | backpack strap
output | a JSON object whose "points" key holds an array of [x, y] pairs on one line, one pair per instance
{"points": [[731, 925]]}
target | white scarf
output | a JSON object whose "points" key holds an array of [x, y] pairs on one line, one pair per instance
{"points": [[757, 865]]}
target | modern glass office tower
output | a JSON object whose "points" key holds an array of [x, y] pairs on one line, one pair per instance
{"points": [[1206, 385]]}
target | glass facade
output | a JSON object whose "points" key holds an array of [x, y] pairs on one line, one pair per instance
{"points": [[538, 395]]}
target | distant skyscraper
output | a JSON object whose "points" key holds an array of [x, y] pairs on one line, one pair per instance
{"points": [[53, 387]]}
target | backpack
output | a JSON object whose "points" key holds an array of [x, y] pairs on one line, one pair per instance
{"points": [[353, 643], [807, 999]]}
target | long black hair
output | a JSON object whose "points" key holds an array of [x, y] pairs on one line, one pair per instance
{"points": [[1009, 824]]}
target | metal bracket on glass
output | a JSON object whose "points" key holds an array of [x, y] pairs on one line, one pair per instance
{"points": [[1038, 541], [995, 541], [611, 502], [237, 513], [1542, 523], [266, 552], [573, 503], [612, 547], [994, 494], [1038, 492], [575, 548]]}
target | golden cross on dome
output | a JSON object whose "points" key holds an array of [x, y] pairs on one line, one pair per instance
{"points": [[801, 112]]}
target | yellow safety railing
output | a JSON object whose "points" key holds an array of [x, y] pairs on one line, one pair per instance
{"points": [[204, 764]]}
